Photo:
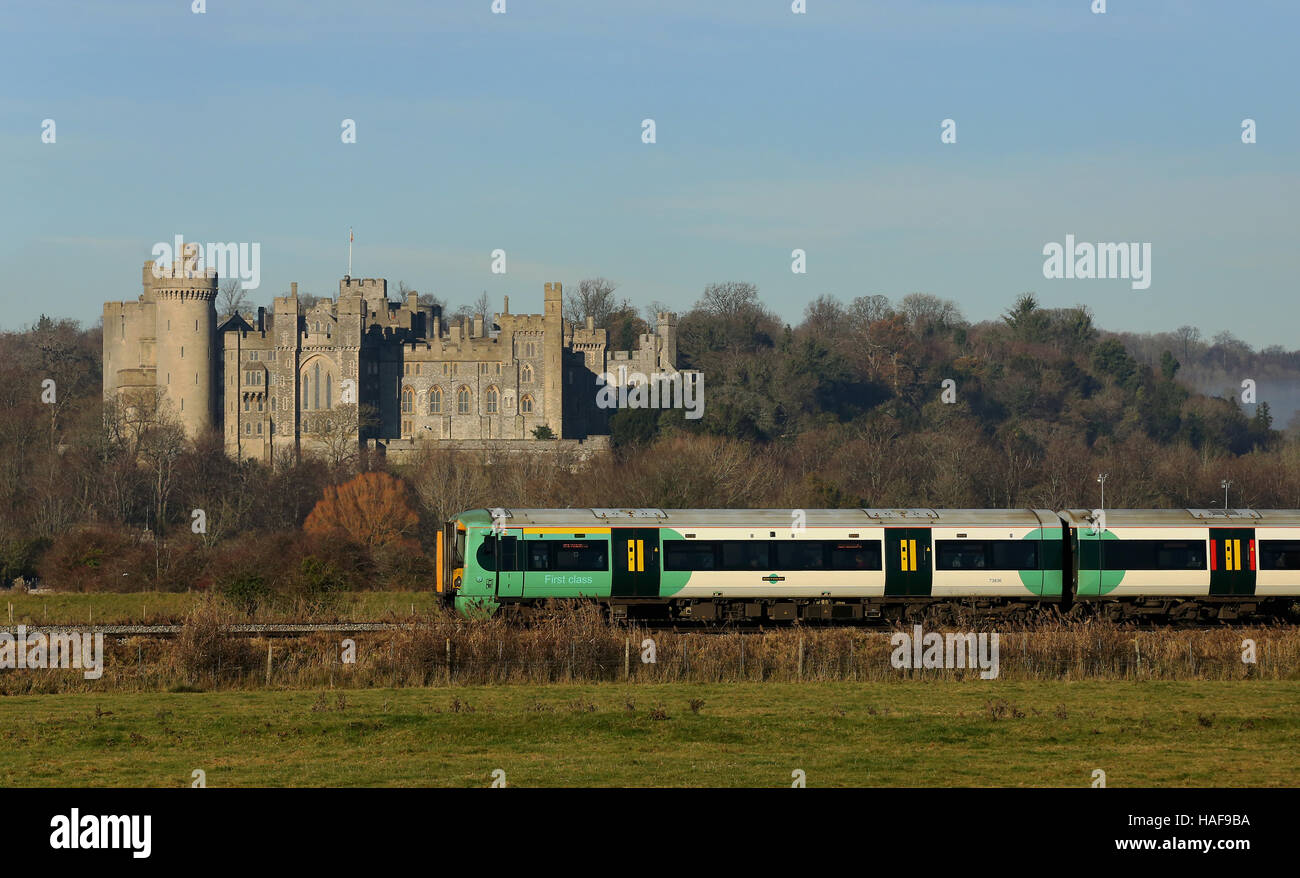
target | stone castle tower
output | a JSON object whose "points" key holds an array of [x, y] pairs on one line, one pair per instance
{"points": [[166, 340]]}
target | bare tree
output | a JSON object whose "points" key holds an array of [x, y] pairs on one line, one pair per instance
{"points": [[729, 299], [161, 447], [1188, 335], [339, 429], [652, 311], [824, 317], [869, 309], [1227, 343], [232, 298], [594, 298], [129, 416], [446, 482], [926, 312]]}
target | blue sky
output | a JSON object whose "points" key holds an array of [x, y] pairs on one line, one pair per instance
{"points": [[775, 131]]}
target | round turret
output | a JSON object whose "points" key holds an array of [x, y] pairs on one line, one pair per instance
{"points": [[185, 297]]}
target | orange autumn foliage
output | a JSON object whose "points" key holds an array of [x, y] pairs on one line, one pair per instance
{"points": [[372, 509]]}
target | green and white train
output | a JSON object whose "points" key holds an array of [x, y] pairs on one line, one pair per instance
{"points": [[853, 564]]}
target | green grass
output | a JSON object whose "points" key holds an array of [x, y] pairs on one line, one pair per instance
{"points": [[745, 734], [107, 608]]}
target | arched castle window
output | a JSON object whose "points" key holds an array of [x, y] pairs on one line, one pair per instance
{"points": [[435, 401], [526, 374], [462, 400], [408, 401], [491, 400], [318, 385], [525, 405]]}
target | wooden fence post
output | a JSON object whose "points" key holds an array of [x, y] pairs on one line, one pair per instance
{"points": [[627, 658], [268, 662], [800, 658]]}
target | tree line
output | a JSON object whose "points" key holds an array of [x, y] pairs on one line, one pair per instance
{"points": [[863, 403]]}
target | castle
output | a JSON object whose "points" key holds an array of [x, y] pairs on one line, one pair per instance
{"points": [[363, 370]]}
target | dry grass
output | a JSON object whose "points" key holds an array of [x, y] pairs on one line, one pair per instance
{"points": [[575, 644], [168, 608]]}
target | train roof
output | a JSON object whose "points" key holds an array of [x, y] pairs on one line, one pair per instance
{"points": [[768, 518], [1187, 517], [782, 518]]}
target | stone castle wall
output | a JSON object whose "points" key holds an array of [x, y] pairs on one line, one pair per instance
{"points": [[291, 379]]}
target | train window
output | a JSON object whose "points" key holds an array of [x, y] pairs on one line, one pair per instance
{"points": [[1014, 554], [959, 555], [568, 555], [1143, 555], [855, 555], [1180, 556], [508, 557], [801, 555], [584, 555], [745, 555], [986, 555], [681, 555], [1279, 555], [539, 555]]}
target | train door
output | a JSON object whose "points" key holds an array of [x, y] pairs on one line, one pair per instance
{"points": [[509, 562], [1232, 561], [909, 569], [634, 553]]}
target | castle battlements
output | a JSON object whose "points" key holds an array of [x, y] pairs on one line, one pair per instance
{"points": [[285, 379]]}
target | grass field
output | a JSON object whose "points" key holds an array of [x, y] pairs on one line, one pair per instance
{"points": [[1196, 733], [109, 608]]}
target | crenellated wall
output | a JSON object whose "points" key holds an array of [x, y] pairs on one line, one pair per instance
{"points": [[275, 383]]}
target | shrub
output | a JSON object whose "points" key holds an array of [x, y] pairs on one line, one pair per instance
{"points": [[206, 648]]}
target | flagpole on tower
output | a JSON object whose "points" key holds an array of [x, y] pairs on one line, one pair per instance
{"points": [[349, 251]]}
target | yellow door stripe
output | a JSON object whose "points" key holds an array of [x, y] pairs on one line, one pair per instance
{"points": [[907, 555]]}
